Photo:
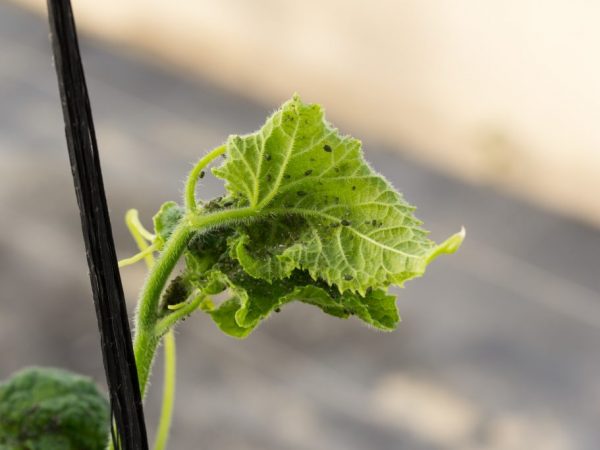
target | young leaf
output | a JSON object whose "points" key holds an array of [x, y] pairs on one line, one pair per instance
{"points": [[327, 212], [166, 219]]}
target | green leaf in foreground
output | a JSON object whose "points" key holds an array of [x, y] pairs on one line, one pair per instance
{"points": [[304, 218], [326, 210], [52, 409]]}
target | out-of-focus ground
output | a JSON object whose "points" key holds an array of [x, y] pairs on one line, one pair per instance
{"points": [[502, 93], [499, 344]]}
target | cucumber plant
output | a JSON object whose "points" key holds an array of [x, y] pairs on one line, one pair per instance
{"points": [[304, 218]]}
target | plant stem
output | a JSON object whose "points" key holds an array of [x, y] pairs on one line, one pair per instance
{"points": [[146, 340], [166, 414], [140, 234], [150, 327]]}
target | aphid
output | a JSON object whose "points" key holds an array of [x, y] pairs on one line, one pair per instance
{"points": [[374, 222], [335, 224], [269, 177], [227, 204], [308, 172], [337, 169], [346, 223], [348, 277], [268, 157], [301, 193], [287, 176], [277, 310], [201, 174], [353, 188], [327, 148]]}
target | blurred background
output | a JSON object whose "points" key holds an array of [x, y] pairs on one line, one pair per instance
{"points": [[485, 114]]}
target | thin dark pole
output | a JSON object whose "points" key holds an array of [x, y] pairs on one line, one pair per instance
{"points": [[113, 324]]}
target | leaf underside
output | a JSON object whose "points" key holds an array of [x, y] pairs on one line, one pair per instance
{"points": [[253, 299], [330, 231]]}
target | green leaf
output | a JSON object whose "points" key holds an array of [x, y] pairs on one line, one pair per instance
{"points": [[325, 210], [52, 409], [166, 219], [305, 218]]}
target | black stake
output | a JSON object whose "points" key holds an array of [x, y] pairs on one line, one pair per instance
{"points": [[115, 337]]}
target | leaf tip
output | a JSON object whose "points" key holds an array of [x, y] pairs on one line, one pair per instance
{"points": [[450, 245], [455, 241]]}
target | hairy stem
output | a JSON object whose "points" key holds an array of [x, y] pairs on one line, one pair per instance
{"points": [[146, 340], [140, 234]]}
